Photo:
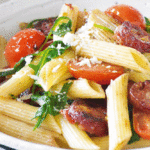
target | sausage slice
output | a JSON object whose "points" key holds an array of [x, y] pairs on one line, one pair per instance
{"points": [[132, 36], [90, 118], [139, 95]]}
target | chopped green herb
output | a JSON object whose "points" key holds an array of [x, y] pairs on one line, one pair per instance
{"points": [[56, 49], [52, 103], [20, 64], [147, 24], [13, 97], [103, 27], [60, 31], [63, 28]]}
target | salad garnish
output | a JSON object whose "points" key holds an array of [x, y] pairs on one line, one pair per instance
{"points": [[52, 103]]}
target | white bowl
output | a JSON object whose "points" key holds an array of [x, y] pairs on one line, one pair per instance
{"points": [[15, 11]]}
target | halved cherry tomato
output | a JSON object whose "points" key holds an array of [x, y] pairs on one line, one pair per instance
{"points": [[141, 123], [124, 12], [101, 73], [25, 42]]}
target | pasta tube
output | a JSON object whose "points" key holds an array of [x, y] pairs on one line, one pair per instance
{"points": [[102, 142], [98, 17], [25, 113], [138, 76], [109, 52], [75, 137], [81, 88], [25, 132], [19, 82], [53, 70], [117, 112], [71, 12]]}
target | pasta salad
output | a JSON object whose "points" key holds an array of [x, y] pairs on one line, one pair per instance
{"points": [[79, 80]]}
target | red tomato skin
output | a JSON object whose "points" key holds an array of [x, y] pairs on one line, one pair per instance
{"points": [[100, 73], [25, 42], [141, 123], [122, 12]]}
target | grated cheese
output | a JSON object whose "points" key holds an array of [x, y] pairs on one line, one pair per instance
{"points": [[88, 62], [114, 71], [17, 50], [28, 59], [108, 66], [56, 68]]}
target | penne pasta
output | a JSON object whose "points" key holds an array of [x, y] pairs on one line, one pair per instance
{"points": [[102, 142], [25, 112], [109, 52], [98, 17], [19, 82], [117, 113], [79, 89], [81, 18], [138, 76], [70, 11], [82, 88], [25, 132], [76, 138], [53, 70]]}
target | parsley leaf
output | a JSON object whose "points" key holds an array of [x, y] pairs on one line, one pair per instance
{"points": [[147, 24], [19, 65], [52, 103], [56, 49], [63, 28]]}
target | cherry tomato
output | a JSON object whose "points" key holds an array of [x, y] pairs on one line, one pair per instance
{"points": [[101, 73], [124, 12], [141, 123], [25, 42]]}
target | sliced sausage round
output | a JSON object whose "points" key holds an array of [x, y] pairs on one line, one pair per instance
{"points": [[90, 118], [139, 95], [132, 36]]}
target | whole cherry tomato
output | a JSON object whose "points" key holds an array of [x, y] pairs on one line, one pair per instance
{"points": [[141, 123], [25, 42], [124, 12], [101, 73]]}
